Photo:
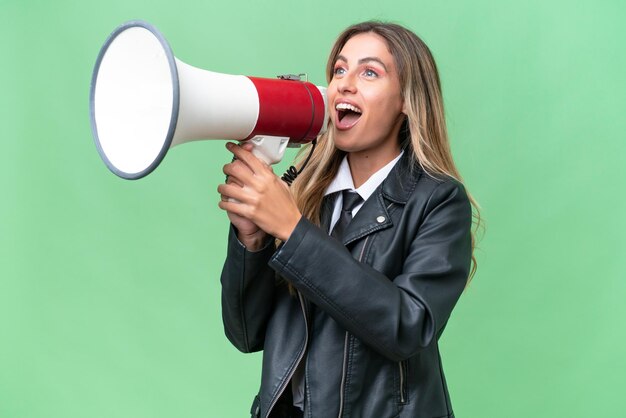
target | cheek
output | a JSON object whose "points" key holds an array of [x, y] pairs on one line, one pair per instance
{"points": [[387, 108], [392, 98], [331, 89], [330, 98]]}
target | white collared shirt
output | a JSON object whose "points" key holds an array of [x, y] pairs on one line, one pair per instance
{"points": [[343, 181]]}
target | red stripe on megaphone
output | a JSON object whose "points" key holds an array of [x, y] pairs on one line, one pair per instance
{"points": [[293, 109]]}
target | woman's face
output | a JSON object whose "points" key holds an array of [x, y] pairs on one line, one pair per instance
{"points": [[365, 101]]}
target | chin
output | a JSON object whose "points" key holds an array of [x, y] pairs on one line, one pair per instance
{"points": [[345, 144]]}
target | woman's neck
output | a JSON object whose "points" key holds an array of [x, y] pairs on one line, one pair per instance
{"points": [[365, 163]]}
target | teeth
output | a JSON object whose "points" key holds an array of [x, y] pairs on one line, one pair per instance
{"points": [[346, 106]]}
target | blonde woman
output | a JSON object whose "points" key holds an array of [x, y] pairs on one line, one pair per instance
{"points": [[346, 280]]}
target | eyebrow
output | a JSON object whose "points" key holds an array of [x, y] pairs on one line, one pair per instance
{"points": [[364, 60]]}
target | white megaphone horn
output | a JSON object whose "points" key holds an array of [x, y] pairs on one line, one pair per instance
{"points": [[144, 101]]}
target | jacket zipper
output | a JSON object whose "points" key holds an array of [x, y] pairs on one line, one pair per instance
{"points": [[293, 370], [401, 364], [345, 349], [343, 374], [402, 383]]}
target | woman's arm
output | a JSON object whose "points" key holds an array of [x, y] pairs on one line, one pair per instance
{"points": [[396, 316], [248, 285], [247, 280]]}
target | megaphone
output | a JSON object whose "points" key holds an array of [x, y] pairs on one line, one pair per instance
{"points": [[143, 101]]}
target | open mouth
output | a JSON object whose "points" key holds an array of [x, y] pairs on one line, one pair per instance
{"points": [[347, 115]]}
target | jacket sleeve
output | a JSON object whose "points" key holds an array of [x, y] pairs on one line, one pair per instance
{"points": [[248, 285], [396, 316]]}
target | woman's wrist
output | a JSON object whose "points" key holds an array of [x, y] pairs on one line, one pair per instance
{"points": [[253, 242], [288, 227]]}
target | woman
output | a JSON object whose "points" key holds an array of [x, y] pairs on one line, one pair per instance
{"points": [[349, 312]]}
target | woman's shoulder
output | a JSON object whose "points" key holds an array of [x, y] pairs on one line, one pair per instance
{"points": [[440, 183], [424, 192], [411, 182]]}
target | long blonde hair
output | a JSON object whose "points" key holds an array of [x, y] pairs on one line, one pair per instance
{"points": [[423, 131]]}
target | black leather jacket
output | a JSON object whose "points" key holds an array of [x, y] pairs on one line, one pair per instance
{"points": [[368, 312]]}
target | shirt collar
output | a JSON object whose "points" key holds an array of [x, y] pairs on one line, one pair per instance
{"points": [[343, 179]]}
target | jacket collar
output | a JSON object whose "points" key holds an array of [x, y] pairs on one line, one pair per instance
{"points": [[374, 215], [402, 180]]}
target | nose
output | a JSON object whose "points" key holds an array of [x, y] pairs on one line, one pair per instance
{"points": [[347, 84]]}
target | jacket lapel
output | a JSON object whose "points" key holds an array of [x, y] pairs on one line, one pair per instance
{"points": [[374, 214]]}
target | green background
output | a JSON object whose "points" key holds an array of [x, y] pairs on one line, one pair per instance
{"points": [[109, 289]]}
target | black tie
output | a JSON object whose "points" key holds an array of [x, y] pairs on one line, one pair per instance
{"points": [[350, 201]]}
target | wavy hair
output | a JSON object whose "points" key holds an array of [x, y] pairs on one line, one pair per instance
{"points": [[423, 132]]}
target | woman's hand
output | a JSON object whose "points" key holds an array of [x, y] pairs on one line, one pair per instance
{"points": [[261, 199], [248, 233]]}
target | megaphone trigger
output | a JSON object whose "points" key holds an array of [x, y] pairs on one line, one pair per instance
{"points": [[269, 149]]}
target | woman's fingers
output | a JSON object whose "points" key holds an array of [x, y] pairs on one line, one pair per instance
{"points": [[230, 207], [232, 191], [244, 153], [237, 208], [246, 169], [255, 193], [238, 172], [233, 180]]}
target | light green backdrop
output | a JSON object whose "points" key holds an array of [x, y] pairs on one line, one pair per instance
{"points": [[109, 289]]}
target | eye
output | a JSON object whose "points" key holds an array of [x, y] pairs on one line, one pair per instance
{"points": [[370, 73], [339, 71]]}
